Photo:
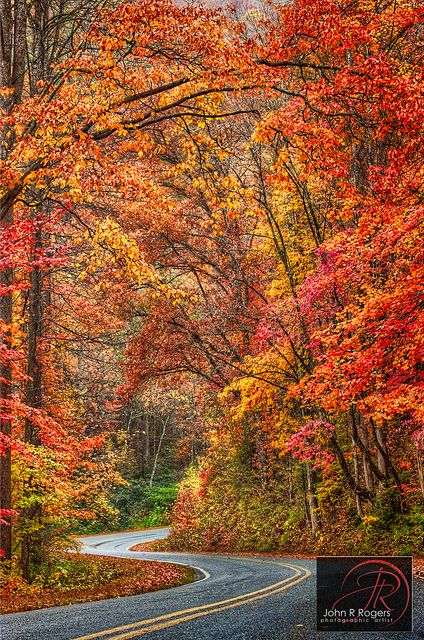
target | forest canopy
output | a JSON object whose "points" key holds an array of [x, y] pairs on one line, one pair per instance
{"points": [[211, 266]]}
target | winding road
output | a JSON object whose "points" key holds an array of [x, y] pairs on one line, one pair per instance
{"points": [[234, 598]]}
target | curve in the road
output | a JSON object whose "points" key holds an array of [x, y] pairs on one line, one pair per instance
{"points": [[279, 599], [117, 545], [177, 617]]}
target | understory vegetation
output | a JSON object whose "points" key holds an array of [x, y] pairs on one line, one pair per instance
{"points": [[81, 578], [232, 512], [135, 505]]}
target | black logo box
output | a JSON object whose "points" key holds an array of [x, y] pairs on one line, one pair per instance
{"points": [[364, 593]]}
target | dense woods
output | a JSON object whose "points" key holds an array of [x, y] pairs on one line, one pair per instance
{"points": [[211, 270]]}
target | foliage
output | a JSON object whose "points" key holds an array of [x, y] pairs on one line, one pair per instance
{"points": [[224, 513], [212, 249], [136, 506], [84, 578]]}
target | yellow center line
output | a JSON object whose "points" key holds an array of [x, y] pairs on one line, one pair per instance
{"points": [[177, 617]]}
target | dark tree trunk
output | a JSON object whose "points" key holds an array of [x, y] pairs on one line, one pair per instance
{"points": [[312, 500], [33, 398], [12, 62], [6, 278]]}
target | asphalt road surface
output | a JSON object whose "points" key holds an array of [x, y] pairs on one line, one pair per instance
{"points": [[235, 598]]}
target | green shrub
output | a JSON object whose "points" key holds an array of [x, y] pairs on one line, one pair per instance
{"points": [[136, 505]]}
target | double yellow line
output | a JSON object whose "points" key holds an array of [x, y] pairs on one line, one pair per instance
{"points": [[142, 627]]}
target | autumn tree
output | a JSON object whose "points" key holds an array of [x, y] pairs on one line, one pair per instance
{"points": [[82, 90], [222, 201]]}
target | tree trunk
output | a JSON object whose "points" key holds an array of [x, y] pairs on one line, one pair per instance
{"points": [[157, 452], [356, 488], [31, 548], [381, 451], [305, 497], [12, 74], [312, 501], [6, 278], [12, 30], [385, 464], [147, 442], [357, 479], [420, 468], [363, 434]]}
